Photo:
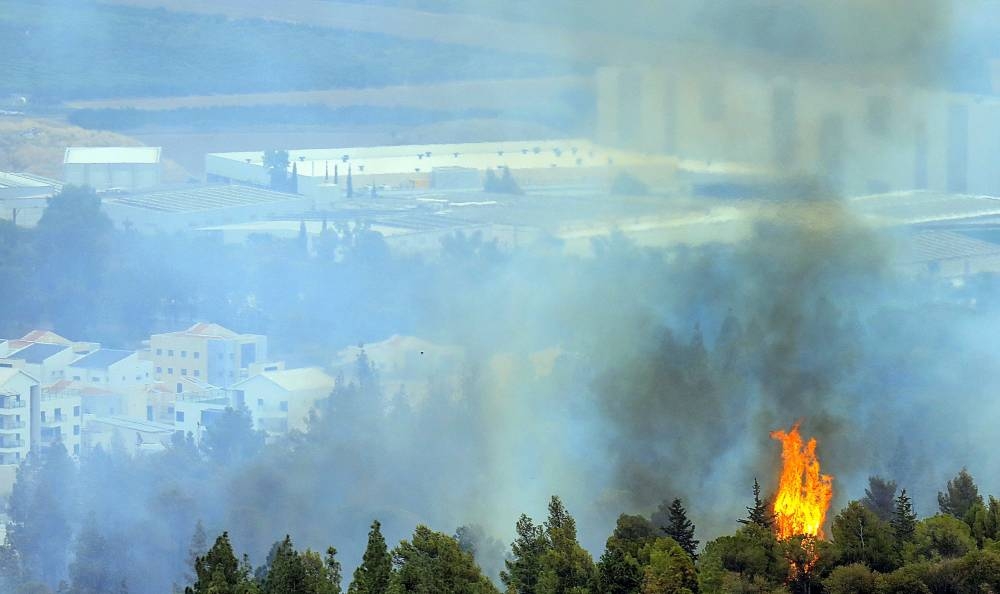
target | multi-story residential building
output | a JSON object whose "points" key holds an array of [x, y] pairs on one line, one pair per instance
{"points": [[111, 369], [208, 353], [60, 419], [19, 402], [279, 401], [43, 336], [47, 362], [194, 412]]}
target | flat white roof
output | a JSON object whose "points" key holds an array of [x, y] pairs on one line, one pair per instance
{"points": [[396, 159], [112, 154]]}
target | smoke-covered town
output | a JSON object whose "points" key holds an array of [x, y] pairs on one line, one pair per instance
{"points": [[482, 297]]}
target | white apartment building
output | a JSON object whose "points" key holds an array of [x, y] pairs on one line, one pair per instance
{"points": [[60, 419], [280, 400], [19, 401], [111, 369]]}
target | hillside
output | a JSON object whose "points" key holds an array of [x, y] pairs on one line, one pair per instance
{"points": [[37, 146]]}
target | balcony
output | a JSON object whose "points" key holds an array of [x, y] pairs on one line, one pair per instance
{"points": [[11, 426], [56, 422], [11, 404]]}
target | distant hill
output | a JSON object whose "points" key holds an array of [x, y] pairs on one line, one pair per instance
{"points": [[37, 146], [56, 50]]}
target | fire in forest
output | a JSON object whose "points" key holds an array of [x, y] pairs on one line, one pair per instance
{"points": [[804, 493]]}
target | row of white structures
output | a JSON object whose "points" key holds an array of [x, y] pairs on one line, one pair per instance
{"points": [[85, 396]]}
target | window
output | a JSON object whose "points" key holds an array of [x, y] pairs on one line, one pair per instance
{"points": [[180, 416], [170, 352], [43, 416], [76, 430], [76, 449], [197, 373], [149, 413], [196, 355], [284, 406], [180, 387], [184, 354], [159, 351], [170, 370], [260, 403], [170, 410], [184, 371], [159, 370], [58, 414], [95, 379], [76, 377], [76, 411]]}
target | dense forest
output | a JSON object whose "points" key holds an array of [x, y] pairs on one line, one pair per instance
{"points": [[653, 364]]}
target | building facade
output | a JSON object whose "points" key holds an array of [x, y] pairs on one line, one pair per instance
{"points": [[279, 401], [104, 168], [858, 133], [207, 353], [19, 430]]}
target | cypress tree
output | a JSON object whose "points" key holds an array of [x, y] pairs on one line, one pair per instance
{"points": [[372, 576], [904, 520], [678, 527], [758, 514]]}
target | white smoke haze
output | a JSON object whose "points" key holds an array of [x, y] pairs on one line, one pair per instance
{"points": [[631, 374]]}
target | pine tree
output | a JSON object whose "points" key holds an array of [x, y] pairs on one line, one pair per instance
{"points": [[286, 575], [198, 547], [525, 565], [372, 576], [962, 493], [566, 566], [880, 497], [293, 182], [904, 520], [218, 570], [678, 527], [759, 514], [333, 570]]}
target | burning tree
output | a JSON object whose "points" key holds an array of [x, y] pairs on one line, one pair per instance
{"points": [[800, 505], [804, 494]]}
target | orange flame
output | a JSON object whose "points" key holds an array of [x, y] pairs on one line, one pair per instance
{"points": [[804, 494]]}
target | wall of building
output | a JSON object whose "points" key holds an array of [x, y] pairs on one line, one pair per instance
{"points": [[861, 138], [61, 420], [103, 176]]}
